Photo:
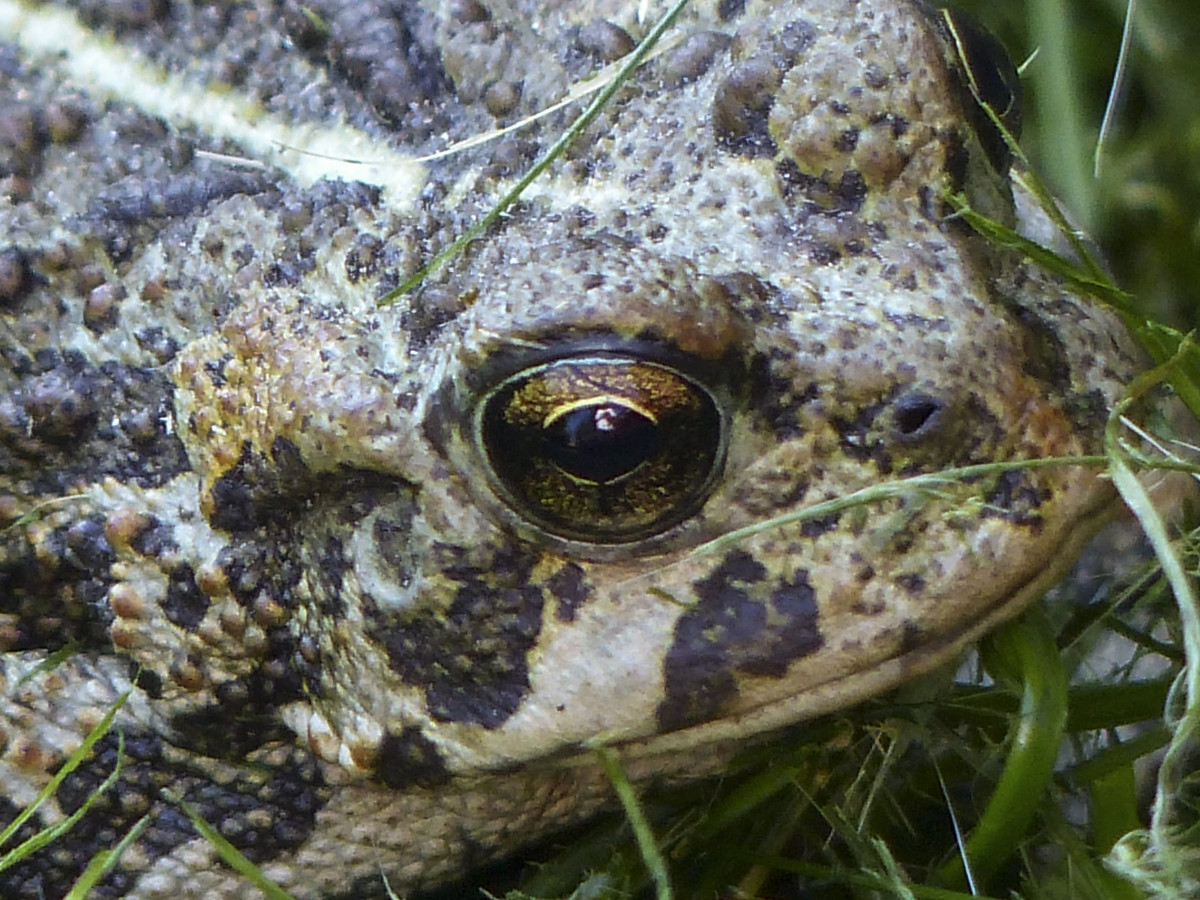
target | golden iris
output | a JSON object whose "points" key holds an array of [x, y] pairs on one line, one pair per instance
{"points": [[602, 449]]}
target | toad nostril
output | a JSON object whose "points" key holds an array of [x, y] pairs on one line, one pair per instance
{"points": [[917, 415]]}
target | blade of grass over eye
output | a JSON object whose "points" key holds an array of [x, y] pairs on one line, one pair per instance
{"points": [[229, 854], [568, 137], [644, 835], [1022, 651], [1088, 275]]}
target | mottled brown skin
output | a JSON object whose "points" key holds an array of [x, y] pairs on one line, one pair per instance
{"points": [[360, 648]]}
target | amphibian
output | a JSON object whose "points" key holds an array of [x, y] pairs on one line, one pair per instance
{"points": [[376, 573]]}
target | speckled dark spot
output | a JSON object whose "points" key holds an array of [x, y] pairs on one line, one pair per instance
{"points": [[54, 586], [780, 400], [244, 718], [88, 546], [362, 260], [730, 9], [1045, 358], [155, 538], [138, 198], [17, 277], [185, 604], [823, 254], [814, 528], [813, 194], [1018, 498], [408, 757], [261, 490], [160, 345], [333, 568], [741, 623], [570, 591]]}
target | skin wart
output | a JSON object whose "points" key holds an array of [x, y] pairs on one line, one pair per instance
{"points": [[375, 574]]}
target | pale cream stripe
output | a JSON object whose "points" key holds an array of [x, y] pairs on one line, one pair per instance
{"points": [[308, 153]]}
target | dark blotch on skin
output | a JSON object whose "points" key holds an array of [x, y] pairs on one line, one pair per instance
{"points": [[155, 539], [17, 277], [244, 718], [1016, 498], [912, 582], [780, 400], [730, 9], [739, 624], [88, 545], [470, 657], [407, 758], [262, 490], [54, 586], [331, 569], [817, 195], [1045, 357], [816, 527], [856, 439], [185, 604], [604, 41], [137, 198], [570, 589]]}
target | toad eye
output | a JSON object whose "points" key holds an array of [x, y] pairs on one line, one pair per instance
{"points": [[602, 449]]}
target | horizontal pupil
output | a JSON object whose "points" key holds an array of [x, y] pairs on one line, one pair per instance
{"points": [[602, 442]]}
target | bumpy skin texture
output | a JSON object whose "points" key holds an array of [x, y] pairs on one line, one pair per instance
{"points": [[225, 469]]}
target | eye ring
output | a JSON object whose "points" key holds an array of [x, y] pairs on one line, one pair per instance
{"points": [[600, 447]]}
